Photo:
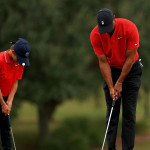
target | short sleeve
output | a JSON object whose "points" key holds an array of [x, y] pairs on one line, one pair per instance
{"points": [[132, 37], [0, 66], [20, 72], [96, 43]]}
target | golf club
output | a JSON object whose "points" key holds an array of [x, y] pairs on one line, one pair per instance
{"points": [[12, 133], [113, 104]]}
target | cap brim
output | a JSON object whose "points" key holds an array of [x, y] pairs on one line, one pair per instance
{"points": [[23, 61], [105, 29]]}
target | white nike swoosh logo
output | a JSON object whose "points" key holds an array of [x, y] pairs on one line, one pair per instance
{"points": [[120, 38]]}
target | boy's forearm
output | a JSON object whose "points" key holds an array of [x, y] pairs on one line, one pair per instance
{"points": [[12, 92], [2, 102]]}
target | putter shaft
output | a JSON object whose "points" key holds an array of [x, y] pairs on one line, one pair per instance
{"points": [[12, 134], [113, 104]]}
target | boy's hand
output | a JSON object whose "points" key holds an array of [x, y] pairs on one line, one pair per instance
{"points": [[9, 104], [5, 109]]}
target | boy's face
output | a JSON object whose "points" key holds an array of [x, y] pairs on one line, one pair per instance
{"points": [[14, 56]]}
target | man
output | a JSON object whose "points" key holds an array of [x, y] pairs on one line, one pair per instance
{"points": [[115, 42], [12, 63]]}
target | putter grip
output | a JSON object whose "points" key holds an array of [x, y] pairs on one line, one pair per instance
{"points": [[113, 103]]}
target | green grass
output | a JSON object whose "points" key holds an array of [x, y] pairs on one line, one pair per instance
{"points": [[144, 146], [79, 109], [27, 112]]}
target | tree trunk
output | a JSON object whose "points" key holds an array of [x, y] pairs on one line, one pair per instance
{"points": [[45, 113]]}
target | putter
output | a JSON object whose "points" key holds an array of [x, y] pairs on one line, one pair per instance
{"points": [[12, 133], [113, 104]]}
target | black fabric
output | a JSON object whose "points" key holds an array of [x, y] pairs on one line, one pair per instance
{"points": [[5, 130], [130, 89], [105, 20]]}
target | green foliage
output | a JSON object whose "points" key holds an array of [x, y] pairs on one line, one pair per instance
{"points": [[142, 20], [63, 64], [14, 111], [142, 126], [62, 60], [76, 133]]}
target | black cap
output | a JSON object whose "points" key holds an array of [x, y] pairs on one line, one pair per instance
{"points": [[22, 49], [105, 20]]}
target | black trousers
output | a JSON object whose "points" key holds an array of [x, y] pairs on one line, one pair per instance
{"points": [[128, 98], [5, 130]]}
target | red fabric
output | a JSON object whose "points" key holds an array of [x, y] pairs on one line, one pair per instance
{"points": [[125, 37], [9, 73]]}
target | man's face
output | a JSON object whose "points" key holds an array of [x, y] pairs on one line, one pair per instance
{"points": [[113, 26]]}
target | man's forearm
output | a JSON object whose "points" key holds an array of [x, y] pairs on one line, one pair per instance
{"points": [[130, 55], [125, 70], [106, 72]]}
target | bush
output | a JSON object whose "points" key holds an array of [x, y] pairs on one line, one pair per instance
{"points": [[76, 134], [142, 126]]}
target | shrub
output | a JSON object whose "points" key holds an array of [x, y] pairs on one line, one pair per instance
{"points": [[76, 134]]}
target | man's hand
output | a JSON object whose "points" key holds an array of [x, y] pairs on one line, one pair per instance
{"points": [[112, 93], [5, 109], [118, 89]]}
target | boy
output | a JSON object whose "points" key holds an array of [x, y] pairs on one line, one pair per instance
{"points": [[12, 63]]}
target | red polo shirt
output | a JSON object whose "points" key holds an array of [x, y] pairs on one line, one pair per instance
{"points": [[9, 73], [125, 37]]}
